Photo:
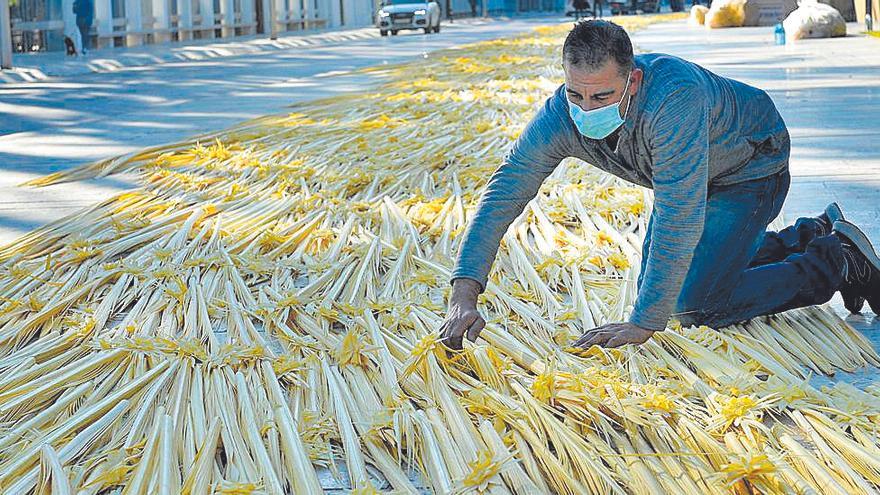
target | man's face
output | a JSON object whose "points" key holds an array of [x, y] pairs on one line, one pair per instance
{"points": [[598, 88]]}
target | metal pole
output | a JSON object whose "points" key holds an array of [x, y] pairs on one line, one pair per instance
{"points": [[485, 8], [5, 36], [869, 20], [273, 20]]}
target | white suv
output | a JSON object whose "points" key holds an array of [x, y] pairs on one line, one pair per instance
{"points": [[397, 15]]}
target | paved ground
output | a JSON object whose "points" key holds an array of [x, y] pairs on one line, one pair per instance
{"points": [[61, 122], [828, 91], [30, 67]]}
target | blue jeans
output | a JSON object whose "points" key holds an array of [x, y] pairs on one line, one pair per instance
{"points": [[740, 270], [84, 24]]}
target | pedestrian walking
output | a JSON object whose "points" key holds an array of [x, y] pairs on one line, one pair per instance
{"points": [[72, 41], [85, 15], [715, 151]]}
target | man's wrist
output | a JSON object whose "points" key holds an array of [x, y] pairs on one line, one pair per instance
{"points": [[650, 328], [465, 289]]}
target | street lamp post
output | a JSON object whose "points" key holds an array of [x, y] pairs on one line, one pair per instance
{"points": [[5, 36]]}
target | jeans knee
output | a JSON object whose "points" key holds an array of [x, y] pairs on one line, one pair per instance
{"points": [[710, 310], [710, 318], [693, 312], [691, 319]]}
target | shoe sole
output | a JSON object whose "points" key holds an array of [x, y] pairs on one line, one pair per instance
{"points": [[834, 213], [863, 244], [859, 240]]}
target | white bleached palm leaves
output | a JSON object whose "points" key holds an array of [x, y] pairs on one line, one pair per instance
{"points": [[264, 307]]}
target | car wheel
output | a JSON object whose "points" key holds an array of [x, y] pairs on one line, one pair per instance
{"points": [[437, 28], [427, 30], [393, 32], [383, 32]]}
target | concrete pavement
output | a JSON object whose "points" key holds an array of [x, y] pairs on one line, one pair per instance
{"points": [[31, 67], [828, 91], [61, 122]]}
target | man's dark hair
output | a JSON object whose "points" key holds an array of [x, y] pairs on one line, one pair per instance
{"points": [[592, 43]]}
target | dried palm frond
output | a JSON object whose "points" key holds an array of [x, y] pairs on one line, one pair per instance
{"points": [[265, 306]]}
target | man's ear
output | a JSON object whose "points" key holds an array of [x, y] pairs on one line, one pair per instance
{"points": [[637, 77]]}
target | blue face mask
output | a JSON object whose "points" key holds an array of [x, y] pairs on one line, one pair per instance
{"points": [[600, 122]]}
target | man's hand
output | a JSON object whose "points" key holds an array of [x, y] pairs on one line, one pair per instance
{"points": [[462, 316], [614, 335]]}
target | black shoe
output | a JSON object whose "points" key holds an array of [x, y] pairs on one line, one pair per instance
{"points": [[832, 214], [862, 268]]}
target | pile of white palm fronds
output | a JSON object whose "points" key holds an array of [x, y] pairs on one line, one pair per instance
{"points": [[266, 306]]}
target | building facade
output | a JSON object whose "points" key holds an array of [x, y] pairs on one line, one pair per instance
{"points": [[39, 25]]}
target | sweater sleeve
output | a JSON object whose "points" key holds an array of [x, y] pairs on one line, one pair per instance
{"points": [[536, 153], [680, 157]]}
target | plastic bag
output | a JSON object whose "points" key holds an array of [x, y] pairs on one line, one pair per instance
{"points": [[726, 13], [814, 20], [698, 15]]}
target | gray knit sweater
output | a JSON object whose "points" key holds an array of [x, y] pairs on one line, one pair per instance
{"points": [[686, 129]]}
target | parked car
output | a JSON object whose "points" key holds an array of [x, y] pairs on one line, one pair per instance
{"points": [[397, 15]]}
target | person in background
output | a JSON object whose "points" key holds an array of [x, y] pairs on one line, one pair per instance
{"points": [[581, 7], [85, 15]]}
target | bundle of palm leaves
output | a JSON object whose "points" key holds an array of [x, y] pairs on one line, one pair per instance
{"points": [[265, 306]]}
